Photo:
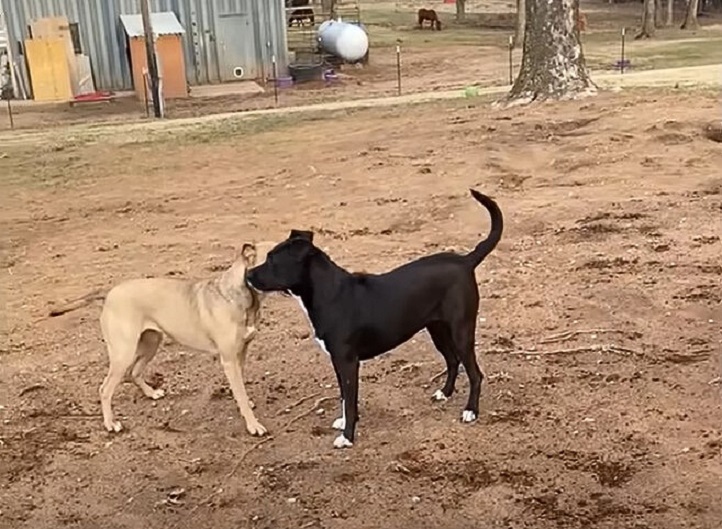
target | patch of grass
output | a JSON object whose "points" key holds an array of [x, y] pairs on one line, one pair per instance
{"points": [[386, 27], [64, 160], [678, 54], [658, 53]]}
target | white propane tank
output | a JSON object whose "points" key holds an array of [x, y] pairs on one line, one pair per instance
{"points": [[346, 41]]}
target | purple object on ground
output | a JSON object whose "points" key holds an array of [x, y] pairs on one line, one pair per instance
{"points": [[284, 82]]}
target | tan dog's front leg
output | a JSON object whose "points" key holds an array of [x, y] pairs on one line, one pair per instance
{"points": [[251, 330], [231, 362]]}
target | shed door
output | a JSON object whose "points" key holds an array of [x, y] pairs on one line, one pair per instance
{"points": [[236, 46]]}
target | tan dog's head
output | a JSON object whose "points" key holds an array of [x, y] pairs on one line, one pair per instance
{"points": [[253, 254], [262, 250], [250, 255]]}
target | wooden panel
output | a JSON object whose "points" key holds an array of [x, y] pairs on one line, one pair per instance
{"points": [[48, 67], [139, 61], [170, 61], [59, 27], [172, 66]]}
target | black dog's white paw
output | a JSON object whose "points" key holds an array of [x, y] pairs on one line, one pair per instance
{"points": [[468, 416], [342, 442], [339, 424], [439, 396]]}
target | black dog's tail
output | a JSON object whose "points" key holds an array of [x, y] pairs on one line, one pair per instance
{"points": [[484, 248]]}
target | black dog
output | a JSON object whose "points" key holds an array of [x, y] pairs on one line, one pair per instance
{"points": [[356, 317]]}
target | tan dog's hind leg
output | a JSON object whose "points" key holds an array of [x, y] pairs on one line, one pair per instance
{"points": [[147, 347], [230, 360], [122, 346]]}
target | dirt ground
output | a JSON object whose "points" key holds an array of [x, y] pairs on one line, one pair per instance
{"points": [[612, 236]]}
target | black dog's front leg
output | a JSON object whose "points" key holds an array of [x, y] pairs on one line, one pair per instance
{"points": [[347, 371]]}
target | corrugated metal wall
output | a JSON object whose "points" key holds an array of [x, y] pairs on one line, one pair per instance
{"points": [[103, 38]]}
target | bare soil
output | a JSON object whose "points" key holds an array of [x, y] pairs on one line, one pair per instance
{"points": [[613, 209]]}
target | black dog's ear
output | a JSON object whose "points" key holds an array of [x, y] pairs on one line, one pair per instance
{"points": [[301, 234]]}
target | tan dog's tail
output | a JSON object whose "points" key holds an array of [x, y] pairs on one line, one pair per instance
{"points": [[95, 295]]}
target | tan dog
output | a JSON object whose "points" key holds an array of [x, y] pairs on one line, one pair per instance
{"points": [[218, 314]]}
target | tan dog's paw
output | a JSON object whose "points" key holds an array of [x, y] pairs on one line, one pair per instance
{"points": [[157, 394], [256, 428], [114, 427]]}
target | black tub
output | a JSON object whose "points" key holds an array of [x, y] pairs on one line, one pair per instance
{"points": [[305, 72]]}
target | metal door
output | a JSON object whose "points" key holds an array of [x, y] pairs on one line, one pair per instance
{"points": [[236, 45]]}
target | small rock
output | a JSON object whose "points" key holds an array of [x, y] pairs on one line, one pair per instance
{"points": [[291, 500], [415, 499]]}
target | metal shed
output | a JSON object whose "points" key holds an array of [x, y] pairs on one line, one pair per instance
{"points": [[221, 35]]}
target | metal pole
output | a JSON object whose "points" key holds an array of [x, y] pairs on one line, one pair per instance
{"points": [[511, 59], [398, 69], [621, 64], [145, 93], [10, 112], [275, 79], [151, 57]]}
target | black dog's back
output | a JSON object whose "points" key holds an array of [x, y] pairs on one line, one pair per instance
{"points": [[434, 288], [407, 299]]}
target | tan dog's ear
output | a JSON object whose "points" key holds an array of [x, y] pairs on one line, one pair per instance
{"points": [[248, 253]]}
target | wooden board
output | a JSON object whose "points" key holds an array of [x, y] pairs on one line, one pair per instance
{"points": [[48, 67], [59, 27], [171, 64]]}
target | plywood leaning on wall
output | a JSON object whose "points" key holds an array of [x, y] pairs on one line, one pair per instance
{"points": [[58, 27], [49, 69]]}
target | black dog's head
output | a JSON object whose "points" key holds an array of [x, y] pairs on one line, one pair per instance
{"points": [[286, 264]]}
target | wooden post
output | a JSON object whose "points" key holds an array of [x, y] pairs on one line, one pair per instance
{"points": [[398, 68], [152, 58]]}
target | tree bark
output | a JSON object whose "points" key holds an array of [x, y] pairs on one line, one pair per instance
{"points": [[520, 22], [553, 65], [670, 13], [690, 19], [460, 10], [648, 28], [658, 14], [327, 6]]}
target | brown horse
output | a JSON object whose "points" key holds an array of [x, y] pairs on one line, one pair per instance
{"points": [[431, 16], [582, 22]]}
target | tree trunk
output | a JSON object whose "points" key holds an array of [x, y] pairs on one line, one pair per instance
{"points": [[690, 19], [648, 28], [670, 13], [460, 10], [520, 22], [552, 65], [327, 6], [658, 14]]}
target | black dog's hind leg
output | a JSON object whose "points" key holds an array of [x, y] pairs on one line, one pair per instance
{"points": [[340, 423], [463, 337], [441, 336], [347, 371]]}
